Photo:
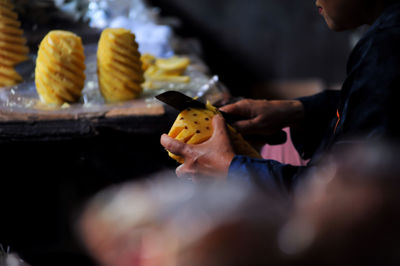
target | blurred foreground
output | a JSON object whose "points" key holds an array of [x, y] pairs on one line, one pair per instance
{"points": [[345, 213]]}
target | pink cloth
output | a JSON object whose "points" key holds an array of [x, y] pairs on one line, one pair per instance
{"points": [[284, 153]]}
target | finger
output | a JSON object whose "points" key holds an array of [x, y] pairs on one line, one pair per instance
{"points": [[246, 126], [173, 145], [219, 126], [229, 108], [220, 139], [238, 108]]}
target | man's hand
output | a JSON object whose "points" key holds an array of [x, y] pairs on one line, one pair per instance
{"points": [[211, 158], [265, 117]]}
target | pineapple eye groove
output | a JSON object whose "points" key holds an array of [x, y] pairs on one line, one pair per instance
{"points": [[174, 134], [207, 118], [188, 138]]}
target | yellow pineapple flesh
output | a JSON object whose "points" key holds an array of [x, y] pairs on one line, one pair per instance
{"points": [[119, 66], [159, 70], [60, 67], [194, 126], [13, 49]]}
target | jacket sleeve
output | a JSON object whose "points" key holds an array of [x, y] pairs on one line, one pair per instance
{"points": [[270, 175], [274, 176], [319, 111]]}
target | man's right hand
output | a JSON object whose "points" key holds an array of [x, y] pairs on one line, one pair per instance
{"points": [[262, 117]]}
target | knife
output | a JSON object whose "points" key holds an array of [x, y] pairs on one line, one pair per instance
{"points": [[181, 102]]}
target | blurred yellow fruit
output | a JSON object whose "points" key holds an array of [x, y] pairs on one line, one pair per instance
{"points": [[164, 70], [147, 61], [60, 66], [119, 67], [174, 65], [12, 44]]}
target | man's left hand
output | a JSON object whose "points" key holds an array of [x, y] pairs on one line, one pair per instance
{"points": [[211, 158]]}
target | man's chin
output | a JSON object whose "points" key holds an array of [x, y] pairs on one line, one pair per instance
{"points": [[331, 25], [339, 27]]}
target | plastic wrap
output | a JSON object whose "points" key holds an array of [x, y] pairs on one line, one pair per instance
{"points": [[23, 97]]}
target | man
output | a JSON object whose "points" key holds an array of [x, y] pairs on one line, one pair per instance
{"points": [[365, 108]]}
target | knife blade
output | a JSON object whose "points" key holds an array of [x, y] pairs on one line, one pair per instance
{"points": [[181, 102]]}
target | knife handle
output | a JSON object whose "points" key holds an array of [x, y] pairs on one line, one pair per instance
{"points": [[279, 137]]}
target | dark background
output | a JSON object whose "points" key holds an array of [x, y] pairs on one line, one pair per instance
{"points": [[248, 43]]}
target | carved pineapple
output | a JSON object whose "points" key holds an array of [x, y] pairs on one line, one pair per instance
{"points": [[60, 66], [12, 44], [194, 126], [119, 66]]}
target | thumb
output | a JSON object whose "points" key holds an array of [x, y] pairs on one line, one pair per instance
{"points": [[219, 126], [173, 145]]}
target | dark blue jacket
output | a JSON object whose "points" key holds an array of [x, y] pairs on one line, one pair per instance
{"points": [[368, 107]]}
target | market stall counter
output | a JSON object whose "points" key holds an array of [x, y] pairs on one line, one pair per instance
{"points": [[56, 157]]}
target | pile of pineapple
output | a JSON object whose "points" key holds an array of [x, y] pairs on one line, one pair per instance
{"points": [[164, 70]]}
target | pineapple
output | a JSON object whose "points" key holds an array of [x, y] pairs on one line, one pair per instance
{"points": [[194, 126], [172, 66], [13, 49], [147, 61], [164, 70], [119, 67], [60, 67]]}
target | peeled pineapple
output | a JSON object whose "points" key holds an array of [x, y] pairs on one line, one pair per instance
{"points": [[118, 65], [12, 44], [194, 126], [60, 67]]}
